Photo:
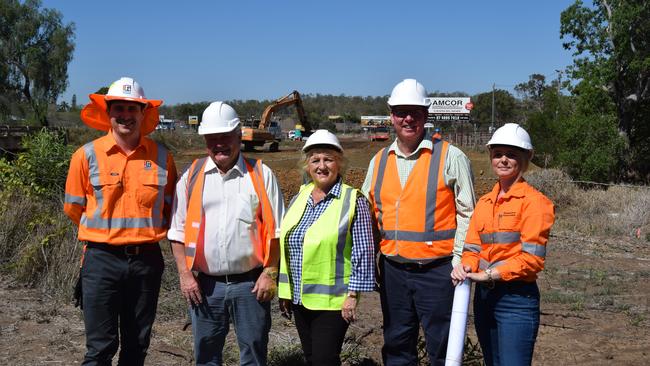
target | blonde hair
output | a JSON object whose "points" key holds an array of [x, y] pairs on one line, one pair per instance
{"points": [[340, 159]]}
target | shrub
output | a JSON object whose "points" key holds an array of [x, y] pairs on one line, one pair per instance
{"points": [[38, 244], [591, 148], [41, 169]]}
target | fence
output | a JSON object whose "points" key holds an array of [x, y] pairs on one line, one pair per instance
{"points": [[469, 139]]}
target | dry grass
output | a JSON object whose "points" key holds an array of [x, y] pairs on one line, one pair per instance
{"points": [[618, 211], [37, 243]]}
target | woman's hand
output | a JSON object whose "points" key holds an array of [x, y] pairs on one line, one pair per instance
{"points": [[348, 311], [460, 273], [285, 308], [484, 276]]}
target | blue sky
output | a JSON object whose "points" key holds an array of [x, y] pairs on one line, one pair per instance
{"points": [[191, 51]]}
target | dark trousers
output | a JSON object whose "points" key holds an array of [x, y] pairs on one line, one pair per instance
{"points": [[321, 335], [410, 296], [507, 319], [120, 291]]}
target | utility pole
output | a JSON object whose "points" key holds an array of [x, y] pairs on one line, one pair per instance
{"points": [[492, 123], [559, 88]]}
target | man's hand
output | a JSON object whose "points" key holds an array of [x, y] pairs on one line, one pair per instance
{"points": [[265, 287], [460, 273], [190, 288]]}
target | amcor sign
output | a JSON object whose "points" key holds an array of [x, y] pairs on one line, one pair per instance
{"points": [[453, 105]]}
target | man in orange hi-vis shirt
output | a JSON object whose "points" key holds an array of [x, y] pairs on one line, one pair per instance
{"points": [[119, 192]]}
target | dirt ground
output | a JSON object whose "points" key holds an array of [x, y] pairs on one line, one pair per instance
{"points": [[595, 298]]}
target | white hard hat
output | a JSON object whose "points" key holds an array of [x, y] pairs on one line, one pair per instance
{"points": [[408, 92], [219, 117], [125, 88], [322, 137], [511, 134]]}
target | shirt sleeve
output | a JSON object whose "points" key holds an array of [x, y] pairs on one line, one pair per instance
{"points": [[75, 187], [362, 277], [176, 230], [458, 174], [365, 188], [472, 247], [276, 198], [538, 215]]}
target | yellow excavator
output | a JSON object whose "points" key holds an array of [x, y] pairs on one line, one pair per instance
{"points": [[269, 133]]}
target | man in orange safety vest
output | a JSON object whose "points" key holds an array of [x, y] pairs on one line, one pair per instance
{"points": [[119, 192], [422, 196]]}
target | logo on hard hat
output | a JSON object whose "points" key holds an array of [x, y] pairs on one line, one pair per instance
{"points": [[126, 89], [147, 164]]}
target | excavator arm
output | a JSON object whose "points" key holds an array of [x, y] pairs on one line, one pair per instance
{"points": [[289, 99]]}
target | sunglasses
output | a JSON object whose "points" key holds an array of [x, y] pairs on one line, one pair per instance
{"points": [[416, 113]]}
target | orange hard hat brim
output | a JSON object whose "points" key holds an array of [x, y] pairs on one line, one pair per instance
{"points": [[95, 113]]}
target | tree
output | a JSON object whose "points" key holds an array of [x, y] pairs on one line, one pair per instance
{"points": [[532, 91], [611, 52], [35, 49], [504, 108]]}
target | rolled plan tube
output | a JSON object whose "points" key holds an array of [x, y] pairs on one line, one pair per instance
{"points": [[458, 325]]}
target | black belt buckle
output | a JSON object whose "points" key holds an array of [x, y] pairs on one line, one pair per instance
{"points": [[132, 250]]}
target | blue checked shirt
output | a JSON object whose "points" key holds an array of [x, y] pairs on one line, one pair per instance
{"points": [[362, 277]]}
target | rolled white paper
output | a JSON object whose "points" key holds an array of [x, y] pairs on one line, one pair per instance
{"points": [[458, 325]]}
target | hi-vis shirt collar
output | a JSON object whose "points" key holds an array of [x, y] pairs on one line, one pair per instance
{"points": [[517, 190], [108, 143], [424, 144], [239, 167]]}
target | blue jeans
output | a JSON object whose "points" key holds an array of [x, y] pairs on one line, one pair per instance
{"points": [[224, 302], [506, 319], [411, 296]]}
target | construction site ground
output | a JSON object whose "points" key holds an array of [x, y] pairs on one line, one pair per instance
{"points": [[595, 297]]}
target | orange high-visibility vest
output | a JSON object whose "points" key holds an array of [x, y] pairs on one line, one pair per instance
{"points": [[510, 233], [195, 220], [119, 199], [417, 222]]}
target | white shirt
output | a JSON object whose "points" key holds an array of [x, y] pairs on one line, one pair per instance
{"points": [[457, 173], [230, 205]]}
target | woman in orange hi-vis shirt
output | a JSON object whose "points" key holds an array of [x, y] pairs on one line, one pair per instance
{"points": [[504, 249]]}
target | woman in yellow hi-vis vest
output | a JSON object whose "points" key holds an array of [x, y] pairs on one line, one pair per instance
{"points": [[326, 252]]}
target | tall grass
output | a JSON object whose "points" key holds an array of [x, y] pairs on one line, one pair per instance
{"points": [[620, 211]]}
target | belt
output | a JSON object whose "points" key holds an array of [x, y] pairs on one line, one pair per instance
{"points": [[251, 275], [127, 250], [415, 266]]}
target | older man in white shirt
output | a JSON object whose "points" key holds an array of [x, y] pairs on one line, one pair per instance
{"points": [[224, 230]]}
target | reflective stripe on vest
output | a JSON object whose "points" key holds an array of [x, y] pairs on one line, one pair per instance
{"points": [[193, 221], [428, 233], [505, 238], [325, 294], [98, 222]]}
